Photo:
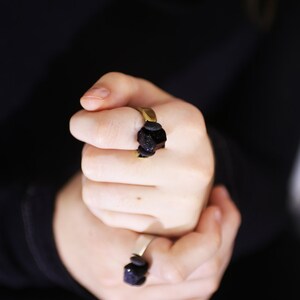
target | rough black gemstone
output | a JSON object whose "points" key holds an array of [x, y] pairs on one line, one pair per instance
{"points": [[138, 260], [143, 153], [152, 126], [150, 141], [141, 281], [135, 275]]}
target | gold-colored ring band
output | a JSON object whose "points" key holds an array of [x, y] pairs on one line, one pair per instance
{"points": [[147, 113], [142, 244], [151, 136]]}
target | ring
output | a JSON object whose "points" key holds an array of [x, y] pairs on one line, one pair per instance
{"points": [[135, 272], [151, 136]]}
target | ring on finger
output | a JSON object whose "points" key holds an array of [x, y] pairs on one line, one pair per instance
{"points": [[151, 136], [135, 272]]}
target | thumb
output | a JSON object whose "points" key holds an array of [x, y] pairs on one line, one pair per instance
{"points": [[174, 262], [115, 89]]}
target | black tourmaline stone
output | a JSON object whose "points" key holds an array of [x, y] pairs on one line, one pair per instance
{"points": [[134, 274], [151, 138]]}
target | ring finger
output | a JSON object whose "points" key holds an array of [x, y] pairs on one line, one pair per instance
{"points": [[123, 166]]}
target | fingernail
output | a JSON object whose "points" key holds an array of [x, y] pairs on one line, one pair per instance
{"points": [[223, 191], [98, 93], [218, 215]]}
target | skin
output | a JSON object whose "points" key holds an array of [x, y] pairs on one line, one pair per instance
{"points": [[163, 194], [190, 267], [101, 211]]}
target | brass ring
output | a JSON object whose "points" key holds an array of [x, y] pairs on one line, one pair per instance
{"points": [[151, 136], [135, 272]]}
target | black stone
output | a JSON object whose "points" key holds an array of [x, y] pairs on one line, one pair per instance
{"points": [[143, 153], [152, 126], [135, 275], [138, 260], [141, 281], [150, 141]]}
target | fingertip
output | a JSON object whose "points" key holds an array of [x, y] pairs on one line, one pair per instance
{"points": [[94, 98], [90, 104], [219, 194]]}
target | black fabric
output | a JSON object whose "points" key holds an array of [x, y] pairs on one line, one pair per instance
{"points": [[270, 273], [244, 79]]}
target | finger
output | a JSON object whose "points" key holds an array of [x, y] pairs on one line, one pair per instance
{"points": [[124, 198], [230, 223], [188, 252], [97, 165], [231, 217], [117, 89], [161, 212], [118, 128], [109, 129], [136, 222], [208, 269], [157, 170]]}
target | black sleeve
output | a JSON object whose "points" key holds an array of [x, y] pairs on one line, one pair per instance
{"points": [[28, 256], [38, 155], [259, 191], [256, 133]]}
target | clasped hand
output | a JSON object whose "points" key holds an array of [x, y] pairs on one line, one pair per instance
{"points": [[119, 195], [163, 194]]}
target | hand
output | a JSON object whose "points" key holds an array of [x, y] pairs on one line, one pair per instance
{"points": [[163, 194], [95, 253], [195, 263]]}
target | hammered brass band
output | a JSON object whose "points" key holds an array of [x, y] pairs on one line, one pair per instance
{"points": [[147, 113]]}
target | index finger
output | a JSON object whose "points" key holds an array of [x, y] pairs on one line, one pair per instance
{"points": [[117, 128], [122, 90]]}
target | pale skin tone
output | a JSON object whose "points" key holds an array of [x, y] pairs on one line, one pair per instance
{"points": [[163, 194], [95, 238]]}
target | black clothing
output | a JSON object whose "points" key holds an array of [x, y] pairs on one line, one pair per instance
{"points": [[244, 80]]}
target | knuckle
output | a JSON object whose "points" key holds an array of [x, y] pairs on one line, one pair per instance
{"points": [[193, 120], [206, 173], [113, 76], [87, 162], [120, 79], [197, 174], [204, 166], [91, 196], [74, 123], [87, 196]]}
